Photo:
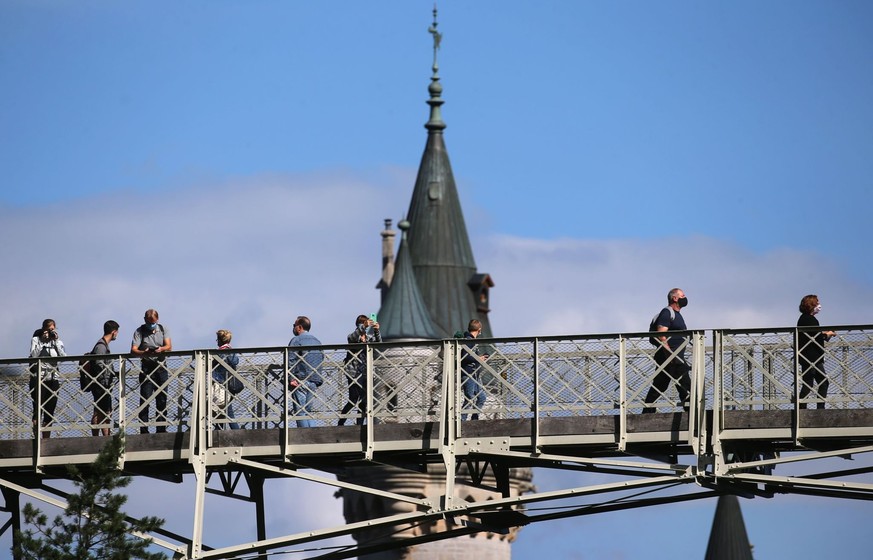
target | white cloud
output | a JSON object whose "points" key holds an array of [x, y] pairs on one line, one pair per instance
{"points": [[569, 286], [251, 254], [247, 255]]}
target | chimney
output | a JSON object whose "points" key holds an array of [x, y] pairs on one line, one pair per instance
{"points": [[387, 259]]}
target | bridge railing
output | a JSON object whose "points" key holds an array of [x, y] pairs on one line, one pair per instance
{"points": [[568, 376], [522, 378], [402, 383], [762, 369]]}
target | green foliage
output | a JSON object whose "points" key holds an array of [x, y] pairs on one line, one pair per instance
{"points": [[93, 527]]}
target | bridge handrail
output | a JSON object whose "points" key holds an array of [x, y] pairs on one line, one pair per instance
{"points": [[531, 378]]}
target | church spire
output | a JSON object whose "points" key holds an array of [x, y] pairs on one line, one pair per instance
{"points": [[436, 288], [439, 247]]}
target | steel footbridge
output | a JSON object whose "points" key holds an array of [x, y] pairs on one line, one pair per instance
{"points": [[559, 402]]}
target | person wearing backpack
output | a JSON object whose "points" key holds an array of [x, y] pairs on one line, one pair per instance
{"points": [[471, 365], [45, 343], [304, 376], [150, 341], [670, 319], [102, 378]]}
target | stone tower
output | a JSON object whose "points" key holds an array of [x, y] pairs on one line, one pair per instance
{"points": [[430, 291]]}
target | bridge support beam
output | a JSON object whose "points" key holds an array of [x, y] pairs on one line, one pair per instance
{"points": [[13, 507]]}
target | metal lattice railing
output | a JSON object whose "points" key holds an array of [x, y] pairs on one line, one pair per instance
{"points": [[557, 377], [521, 378], [761, 370]]}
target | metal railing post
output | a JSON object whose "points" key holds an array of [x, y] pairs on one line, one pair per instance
{"points": [[449, 419], [717, 400], [795, 414], [286, 403], [622, 393], [697, 398], [535, 433], [370, 378]]}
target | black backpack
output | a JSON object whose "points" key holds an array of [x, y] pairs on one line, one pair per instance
{"points": [[653, 325], [86, 375], [234, 384]]}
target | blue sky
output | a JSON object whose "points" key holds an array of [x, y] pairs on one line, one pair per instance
{"points": [[230, 163]]}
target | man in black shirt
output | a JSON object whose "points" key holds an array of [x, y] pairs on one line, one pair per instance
{"points": [[670, 319]]}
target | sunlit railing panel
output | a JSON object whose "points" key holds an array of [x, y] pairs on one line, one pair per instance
{"points": [[849, 368], [407, 382], [520, 378], [761, 370]]}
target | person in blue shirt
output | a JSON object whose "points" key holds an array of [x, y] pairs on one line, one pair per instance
{"points": [[304, 377]]}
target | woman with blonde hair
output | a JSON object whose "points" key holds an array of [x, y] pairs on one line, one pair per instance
{"points": [[225, 381]]}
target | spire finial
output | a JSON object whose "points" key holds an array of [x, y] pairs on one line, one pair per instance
{"points": [[404, 227], [435, 88], [437, 37]]}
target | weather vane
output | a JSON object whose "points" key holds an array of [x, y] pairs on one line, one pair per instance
{"points": [[437, 36]]}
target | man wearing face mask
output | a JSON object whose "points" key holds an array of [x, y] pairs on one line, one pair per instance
{"points": [[670, 319], [150, 341], [304, 376]]}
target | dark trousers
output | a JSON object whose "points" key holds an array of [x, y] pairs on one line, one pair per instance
{"points": [[153, 376], [357, 396], [812, 373], [49, 397], [676, 370], [102, 399]]}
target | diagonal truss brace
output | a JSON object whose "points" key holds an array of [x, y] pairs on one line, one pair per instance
{"points": [[801, 482], [310, 536], [740, 471], [730, 468], [547, 460], [470, 508], [330, 482], [579, 491]]}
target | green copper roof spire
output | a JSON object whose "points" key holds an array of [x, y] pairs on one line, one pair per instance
{"points": [[404, 315], [438, 289], [439, 246]]}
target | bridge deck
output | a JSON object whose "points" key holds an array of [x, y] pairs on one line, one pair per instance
{"points": [[648, 434]]}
